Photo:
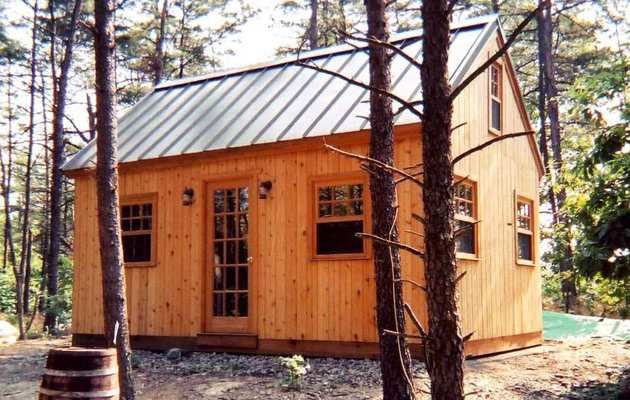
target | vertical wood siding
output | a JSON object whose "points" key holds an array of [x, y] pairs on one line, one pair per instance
{"points": [[294, 296]]}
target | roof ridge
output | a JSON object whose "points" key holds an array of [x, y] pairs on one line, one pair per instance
{"points": [[318, 53]]}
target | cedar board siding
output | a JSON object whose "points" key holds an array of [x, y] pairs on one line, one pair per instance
{"points": [[295, 297]]}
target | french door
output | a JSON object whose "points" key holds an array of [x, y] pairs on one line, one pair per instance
{"points": [[229, 261]]}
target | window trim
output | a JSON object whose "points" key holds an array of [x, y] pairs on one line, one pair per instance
{"points": [[532, 232], [475, 219], [339, 179], [142, 199], [499, 66]]}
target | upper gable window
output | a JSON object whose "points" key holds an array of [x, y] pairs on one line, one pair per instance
{"points": [[138, 231], [465, 218], [496, 98], [340, 214]]}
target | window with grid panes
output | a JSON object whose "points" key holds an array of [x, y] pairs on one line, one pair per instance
{"points": [[137, 228], [524, 229], [464, 198], [339, 216]]}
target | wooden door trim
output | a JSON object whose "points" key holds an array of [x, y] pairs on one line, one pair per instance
{"points": [[240, 326]]}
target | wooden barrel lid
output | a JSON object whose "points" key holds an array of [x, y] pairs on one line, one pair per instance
{"points": [[80, 359]]}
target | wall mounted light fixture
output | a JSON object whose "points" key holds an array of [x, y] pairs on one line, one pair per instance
{"points": [[263, 189], [188, 196]]}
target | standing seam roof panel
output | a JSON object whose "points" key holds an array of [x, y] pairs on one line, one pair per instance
{"points": [[275, 102]]}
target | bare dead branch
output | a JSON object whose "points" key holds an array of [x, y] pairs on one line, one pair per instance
{"points": [[401, 246], [467, 337], [456, 127], [414, 283], [459, 278], [390, 46], [415, 321], [414, 232], [508, 43], [468, 226], [374, 162], [418, 218], [409, 106], [488, 143], [387, 332]]}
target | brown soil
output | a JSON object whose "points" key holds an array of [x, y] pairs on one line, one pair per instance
{"points": [[557, 370]]}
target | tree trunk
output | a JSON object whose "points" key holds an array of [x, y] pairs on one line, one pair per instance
{"points": [[159, 45], [45, 231], [58, 156], [20, 272], [112, 265], [395, 358], [312, 27], [7, 173], [444, 346], [91, 117], [563, 242], [27, 276]]}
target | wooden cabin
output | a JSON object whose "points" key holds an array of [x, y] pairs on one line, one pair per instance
{"points": [[238, 225]]}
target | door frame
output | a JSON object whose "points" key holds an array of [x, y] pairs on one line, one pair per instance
{"points": [[210, 323]]}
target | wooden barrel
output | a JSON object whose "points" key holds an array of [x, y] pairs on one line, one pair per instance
{"points": [[80, 373]]}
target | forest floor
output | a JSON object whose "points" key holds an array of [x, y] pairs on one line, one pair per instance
{"points": [[588, 369]]}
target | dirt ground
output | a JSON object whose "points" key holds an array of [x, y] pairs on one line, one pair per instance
{"points": [[556, 370]]}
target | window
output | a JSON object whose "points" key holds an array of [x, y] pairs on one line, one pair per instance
{"points": [[465, 218], [339, 215], [138, 231], [496, 97], [524, 230]]}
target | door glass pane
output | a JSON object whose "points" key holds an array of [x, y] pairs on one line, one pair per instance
{"points": [[230, 252]]}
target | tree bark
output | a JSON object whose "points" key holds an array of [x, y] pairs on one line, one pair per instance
{"points": [[159, 45], [112, 266], [444, 345], [395, 357], [58, 157], [20, 271], [313, 34], [7, 173], [563, 242]]}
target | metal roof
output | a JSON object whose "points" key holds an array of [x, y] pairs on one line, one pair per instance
{"points": [[277, 101]]}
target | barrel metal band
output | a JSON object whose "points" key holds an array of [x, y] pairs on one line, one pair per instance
{"points": [[93, 372], [79, 395]]}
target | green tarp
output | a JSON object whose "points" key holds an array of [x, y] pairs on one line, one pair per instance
{"points": [[567, 326]]}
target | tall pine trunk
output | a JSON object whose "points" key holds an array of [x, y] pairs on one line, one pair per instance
{"points": [[8, 256], [313, 33], [395, 358], [60, 88], [563, 240], [444, 346], [20, 271], [112, 264], [158, 73]]}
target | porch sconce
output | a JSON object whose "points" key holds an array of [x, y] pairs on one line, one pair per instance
{"points": [[263, 189], [187, 196]]}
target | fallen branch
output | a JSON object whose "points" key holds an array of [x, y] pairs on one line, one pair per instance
{"points": [[499, 53], [488, 143]]}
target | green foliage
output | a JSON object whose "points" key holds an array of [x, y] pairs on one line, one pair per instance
{"points": [[295, 368]]}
